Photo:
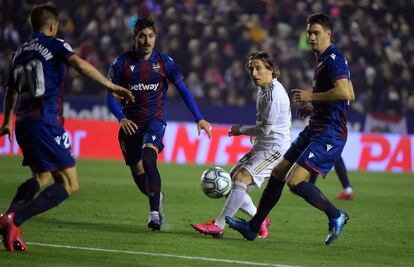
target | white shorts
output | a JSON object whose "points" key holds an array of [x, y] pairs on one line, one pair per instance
{"points": [[259, 163]]}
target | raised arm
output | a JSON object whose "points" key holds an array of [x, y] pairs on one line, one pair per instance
{"points": [[92, 73]]}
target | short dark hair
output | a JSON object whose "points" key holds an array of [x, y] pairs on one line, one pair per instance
{"points": [[41, 14], [267, 61], [322, 19], [142, 23]]}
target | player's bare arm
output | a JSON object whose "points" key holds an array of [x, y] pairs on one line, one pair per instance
{"points": [[129, 127], [92, 73], [8, 107], [342, 91], [204, 125]]}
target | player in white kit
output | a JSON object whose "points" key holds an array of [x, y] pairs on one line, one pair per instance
{"points": [[270, 137]]}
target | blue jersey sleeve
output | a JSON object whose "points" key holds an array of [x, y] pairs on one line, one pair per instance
{"points": [[337, 67], [114, 106], [114, 72], [174, 74], [61, 49], [189, 100], [114, 76]]}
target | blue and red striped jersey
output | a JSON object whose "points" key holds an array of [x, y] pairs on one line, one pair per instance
{"points": [[329, 117], [36, 72], [148, 81]]}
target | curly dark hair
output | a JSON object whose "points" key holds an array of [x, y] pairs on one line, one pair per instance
{"points": [[142, 23]]}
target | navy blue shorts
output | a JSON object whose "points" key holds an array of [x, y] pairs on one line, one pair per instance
{"points": [[316, 153], [131, 145], [45, 147]]}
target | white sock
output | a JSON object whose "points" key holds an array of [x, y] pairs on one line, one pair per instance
{"points": [[348, 190], [233, 203], [248, 206]]}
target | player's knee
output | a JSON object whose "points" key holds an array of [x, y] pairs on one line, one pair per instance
{"points": [[239, 185], [279, 174], [280, 171], [74, 189], [242, 176], [71, 188], [43, 179], [291, 184], [293, 180], [149, 157], [137, 168], [232, 173]]}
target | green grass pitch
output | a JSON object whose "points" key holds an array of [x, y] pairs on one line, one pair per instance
{"points": [[105, 223]]}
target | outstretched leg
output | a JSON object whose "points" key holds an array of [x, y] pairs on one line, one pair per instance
{"points": [[268, 200], [66, 184], [29, 188], [241, 179], [296, 178], [25, 192]]}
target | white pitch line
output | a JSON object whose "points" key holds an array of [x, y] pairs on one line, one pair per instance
{"points": [[161, 255]]}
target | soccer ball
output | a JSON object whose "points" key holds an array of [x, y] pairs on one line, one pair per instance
{"points": [[215, 182]]}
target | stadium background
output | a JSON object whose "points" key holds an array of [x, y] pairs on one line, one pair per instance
{"points": [[105, 223], [210, 40]]}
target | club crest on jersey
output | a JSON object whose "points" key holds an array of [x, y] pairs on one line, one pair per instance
{"points": [[132, 67], [156, 67]]}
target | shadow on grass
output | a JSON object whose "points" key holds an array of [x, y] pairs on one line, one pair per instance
{"points": [[124, 228]]}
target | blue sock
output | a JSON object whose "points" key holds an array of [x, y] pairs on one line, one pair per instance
{"points": [[149, 161], [313, 178], [268, 200], [315, 197], [141, 181], [25, 192], [342, 173], [49, 198]]}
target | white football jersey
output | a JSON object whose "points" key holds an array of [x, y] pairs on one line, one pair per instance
{"points": [[273, 109]]}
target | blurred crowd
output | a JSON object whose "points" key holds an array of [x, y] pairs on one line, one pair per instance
{"points": [[210, 40]]}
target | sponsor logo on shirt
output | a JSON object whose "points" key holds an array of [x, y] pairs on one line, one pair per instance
{"points": [[144, 87]]}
